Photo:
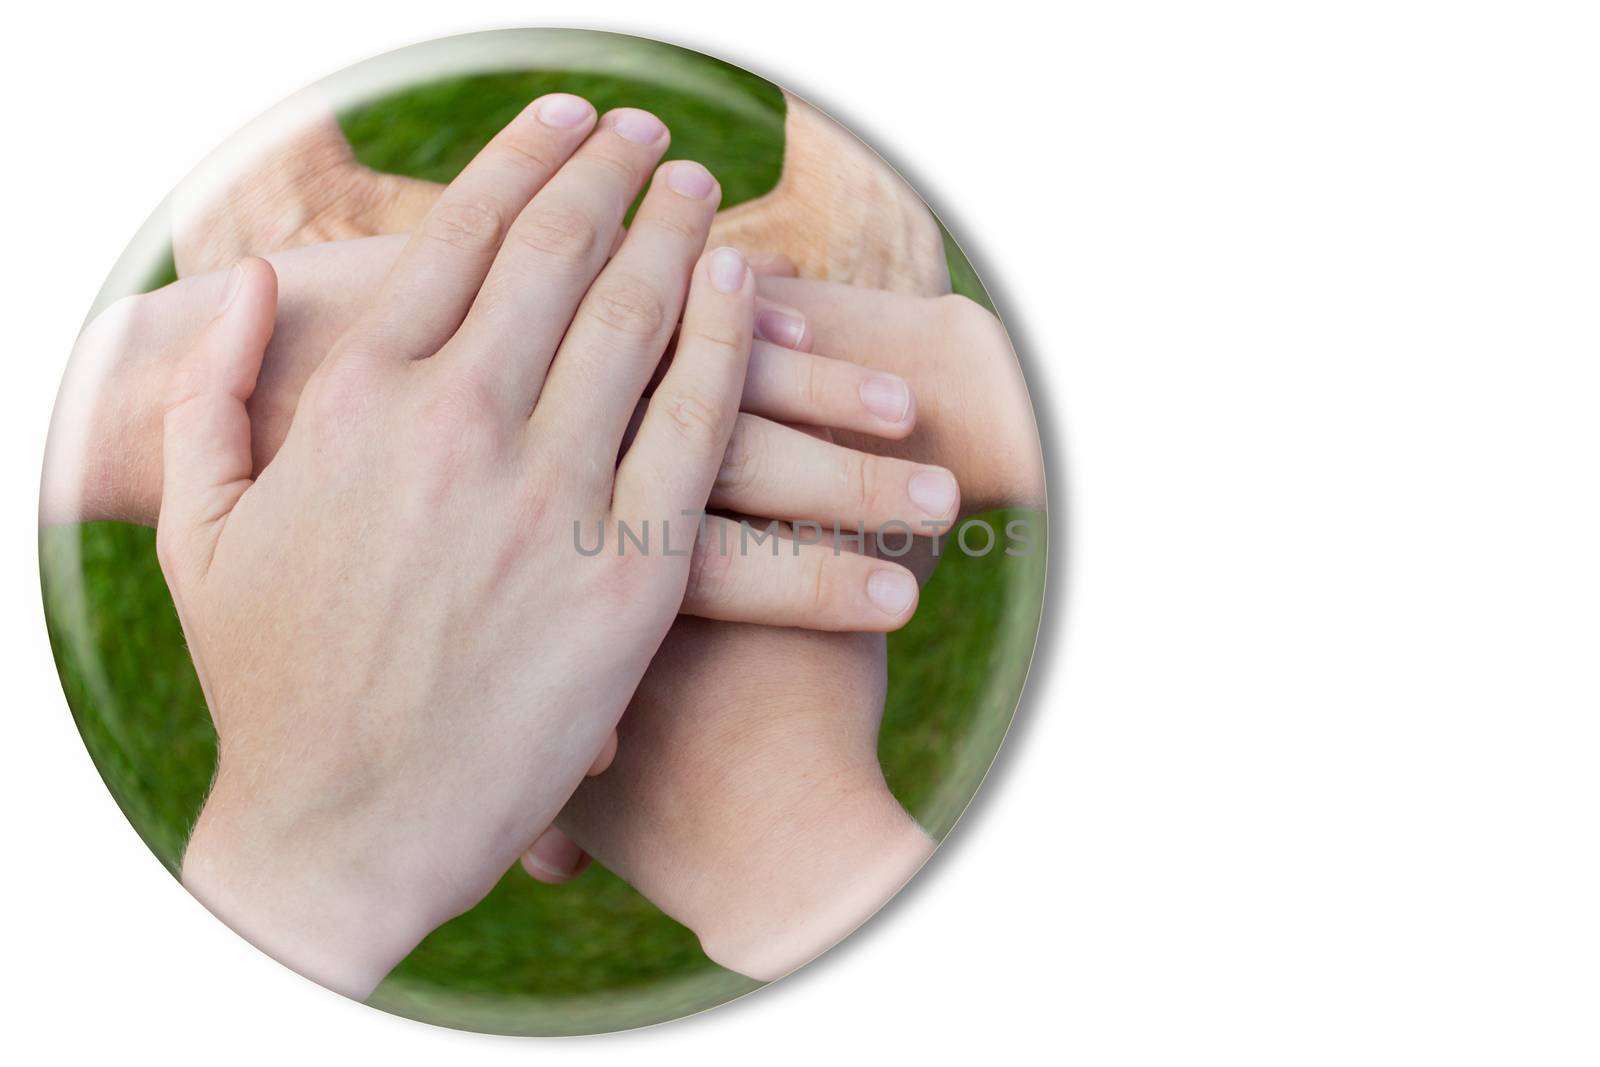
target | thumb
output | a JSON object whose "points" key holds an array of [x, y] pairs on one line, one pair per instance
{"points": [[555, 859], [206, 457]]}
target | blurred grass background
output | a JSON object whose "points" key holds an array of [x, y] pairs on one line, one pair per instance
{"points": [[530, 958]]}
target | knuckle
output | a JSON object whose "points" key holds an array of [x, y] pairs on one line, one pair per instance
{"points": [[718, 344], [630, 307], [470, 224], [820, 589], [465, 405], [341, 392], [811, 389], [863, 476], [558, 232], [711, 574], [454, 431], [612, 168], [530, 153], [187, 381], [697, 422], [738, 470], [679, 229], [501, 294]]}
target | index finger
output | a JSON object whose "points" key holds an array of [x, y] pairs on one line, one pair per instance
{"points": [[428, 291], [673, 460]]}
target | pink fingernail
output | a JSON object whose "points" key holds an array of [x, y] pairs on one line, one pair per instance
{"points": [[780, 327], [564, 111], [555, 856], [728, 270], [690, 179], [934, 491], [640, 127], [886, 397], [892, 591]]}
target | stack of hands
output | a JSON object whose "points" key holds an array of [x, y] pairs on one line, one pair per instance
{"points": [[380, 467]]}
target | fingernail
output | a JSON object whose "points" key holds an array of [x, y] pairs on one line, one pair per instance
{"points": [[728, 271], [892, 591], [690, 178], [780, 327], [640, 127], [934, 491], [555, 856], [564, 111], [230, 289], [886, 397]]}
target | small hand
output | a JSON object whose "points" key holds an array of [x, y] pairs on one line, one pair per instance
{"points": [[745, 799], [974, 415]]}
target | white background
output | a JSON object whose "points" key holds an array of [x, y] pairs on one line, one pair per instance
{"points": [[1309, 302]]}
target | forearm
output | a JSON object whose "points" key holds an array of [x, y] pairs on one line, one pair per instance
{"points": [[104, 452], [342, 913], [104, 455], [782, 910], [768, 868]]}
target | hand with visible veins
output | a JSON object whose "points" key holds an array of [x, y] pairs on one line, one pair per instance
{"points": [[409, 667], [832, 879], [886, 361], [838, 211], [104, 458], [306, 189]]}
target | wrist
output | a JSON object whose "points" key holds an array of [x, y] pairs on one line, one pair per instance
{"points": [[327, 905], [780, 907], [103, 460]]}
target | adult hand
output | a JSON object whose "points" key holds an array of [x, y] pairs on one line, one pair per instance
{"points": [[104, 459], [409, 666], [304, 189], [838, 211]]}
